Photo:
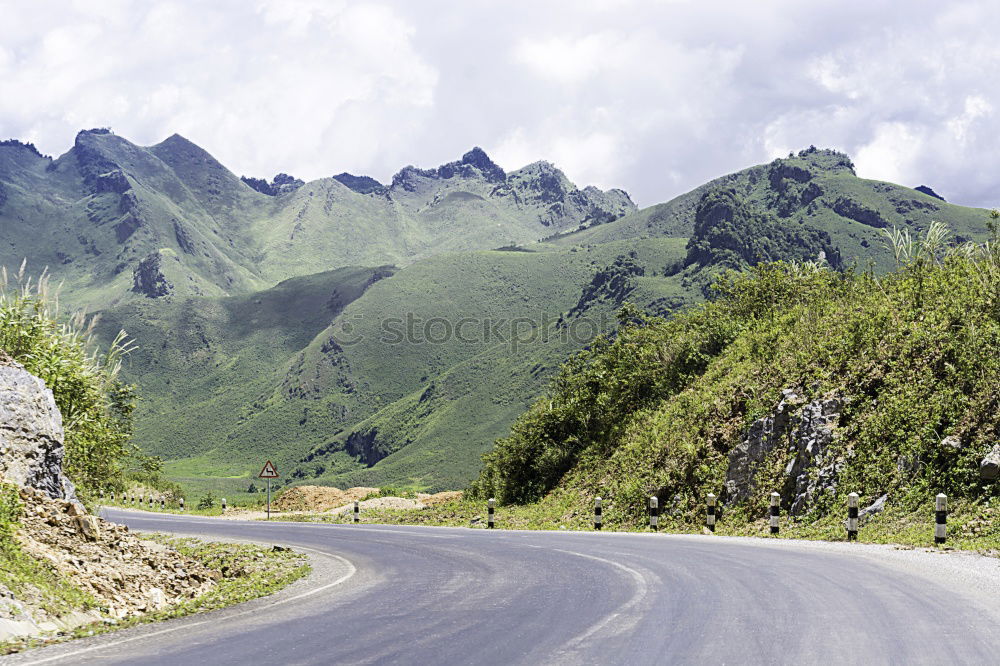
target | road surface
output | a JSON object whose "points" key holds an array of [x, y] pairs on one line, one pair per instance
{"points": [[411, 595]]}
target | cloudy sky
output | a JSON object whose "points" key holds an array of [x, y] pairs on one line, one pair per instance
{"points": [[653, 97]]}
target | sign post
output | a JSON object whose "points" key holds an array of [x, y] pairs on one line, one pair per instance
{"points": [[269, 472]]}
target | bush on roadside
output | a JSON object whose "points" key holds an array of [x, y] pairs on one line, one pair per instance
{"points": [[96, 405]]}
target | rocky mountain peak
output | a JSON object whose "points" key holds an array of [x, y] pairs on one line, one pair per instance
{"points": [[478, 158], [360, 184], [282, 183]]}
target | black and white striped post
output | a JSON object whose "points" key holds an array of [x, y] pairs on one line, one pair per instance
{"points": [[710, 512], [654, 513], [598, 518], [182, 504], [150, 502], [112, 497], [490, 511], [775, 509], [223, 505], [357, 512], [852, 517], [163, 504], [940, 518]]}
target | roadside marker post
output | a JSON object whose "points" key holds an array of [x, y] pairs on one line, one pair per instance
{"points": [[182, 504], [775, 508], [654, 513], [852, 517], [598, 517], [357, 512], [223, 505], [269, 472], [490, 510], [940, 518], [163, 504], [710, 512]]}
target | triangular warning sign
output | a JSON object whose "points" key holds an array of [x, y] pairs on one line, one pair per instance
{"points": [[269, 472]]}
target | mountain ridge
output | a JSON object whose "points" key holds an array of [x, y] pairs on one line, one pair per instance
{"points": [[228, 290], [173, 199]]}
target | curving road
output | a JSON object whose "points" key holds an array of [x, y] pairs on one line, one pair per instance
{"points": [[410, 595]]}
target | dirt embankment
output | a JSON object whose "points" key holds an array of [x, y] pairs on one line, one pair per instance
{"points": [[319, 498], [327, 499], [123, 574]]}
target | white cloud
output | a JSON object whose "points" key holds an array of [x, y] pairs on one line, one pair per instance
{"points": [[891, 153], [568, 59], [256, 86], [655, 97]]}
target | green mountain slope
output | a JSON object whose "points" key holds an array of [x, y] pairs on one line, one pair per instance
{"points": [[270, 323], [815, 188], [361, 399], [119, 222], [799, 380]]}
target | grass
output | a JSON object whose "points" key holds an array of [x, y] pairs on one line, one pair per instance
{"points": [[24, 575], [972, 525], [249, 572], [216, 395]]}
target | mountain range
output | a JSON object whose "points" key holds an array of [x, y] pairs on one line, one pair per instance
{"points": [[363, 333]]}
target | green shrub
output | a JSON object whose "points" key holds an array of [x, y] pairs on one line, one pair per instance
{"points": [[207, 501], [10, 510], [96, 407]]}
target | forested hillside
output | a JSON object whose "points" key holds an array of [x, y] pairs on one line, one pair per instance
{"points": [[795, 378]]}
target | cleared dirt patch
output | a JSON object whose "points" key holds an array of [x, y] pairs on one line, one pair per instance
{"points": [[319, 498]]}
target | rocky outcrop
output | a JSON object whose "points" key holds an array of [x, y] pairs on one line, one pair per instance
{"points": [[989, 468], [543, 185], [612, 284], [792, 188], [360, 184], [148, 278], [929, 192], [860, 213], [474, 164], [31, 433], [130, 224], [282, 184], [112, 181], [127, 576], [800, 430], [184, 241], [364, 445], [128, 203]]}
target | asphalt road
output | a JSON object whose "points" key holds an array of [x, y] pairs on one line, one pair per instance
{"points": [[410, 595]]}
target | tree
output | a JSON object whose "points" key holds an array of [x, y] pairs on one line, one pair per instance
{"points": [[207, 501]]}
